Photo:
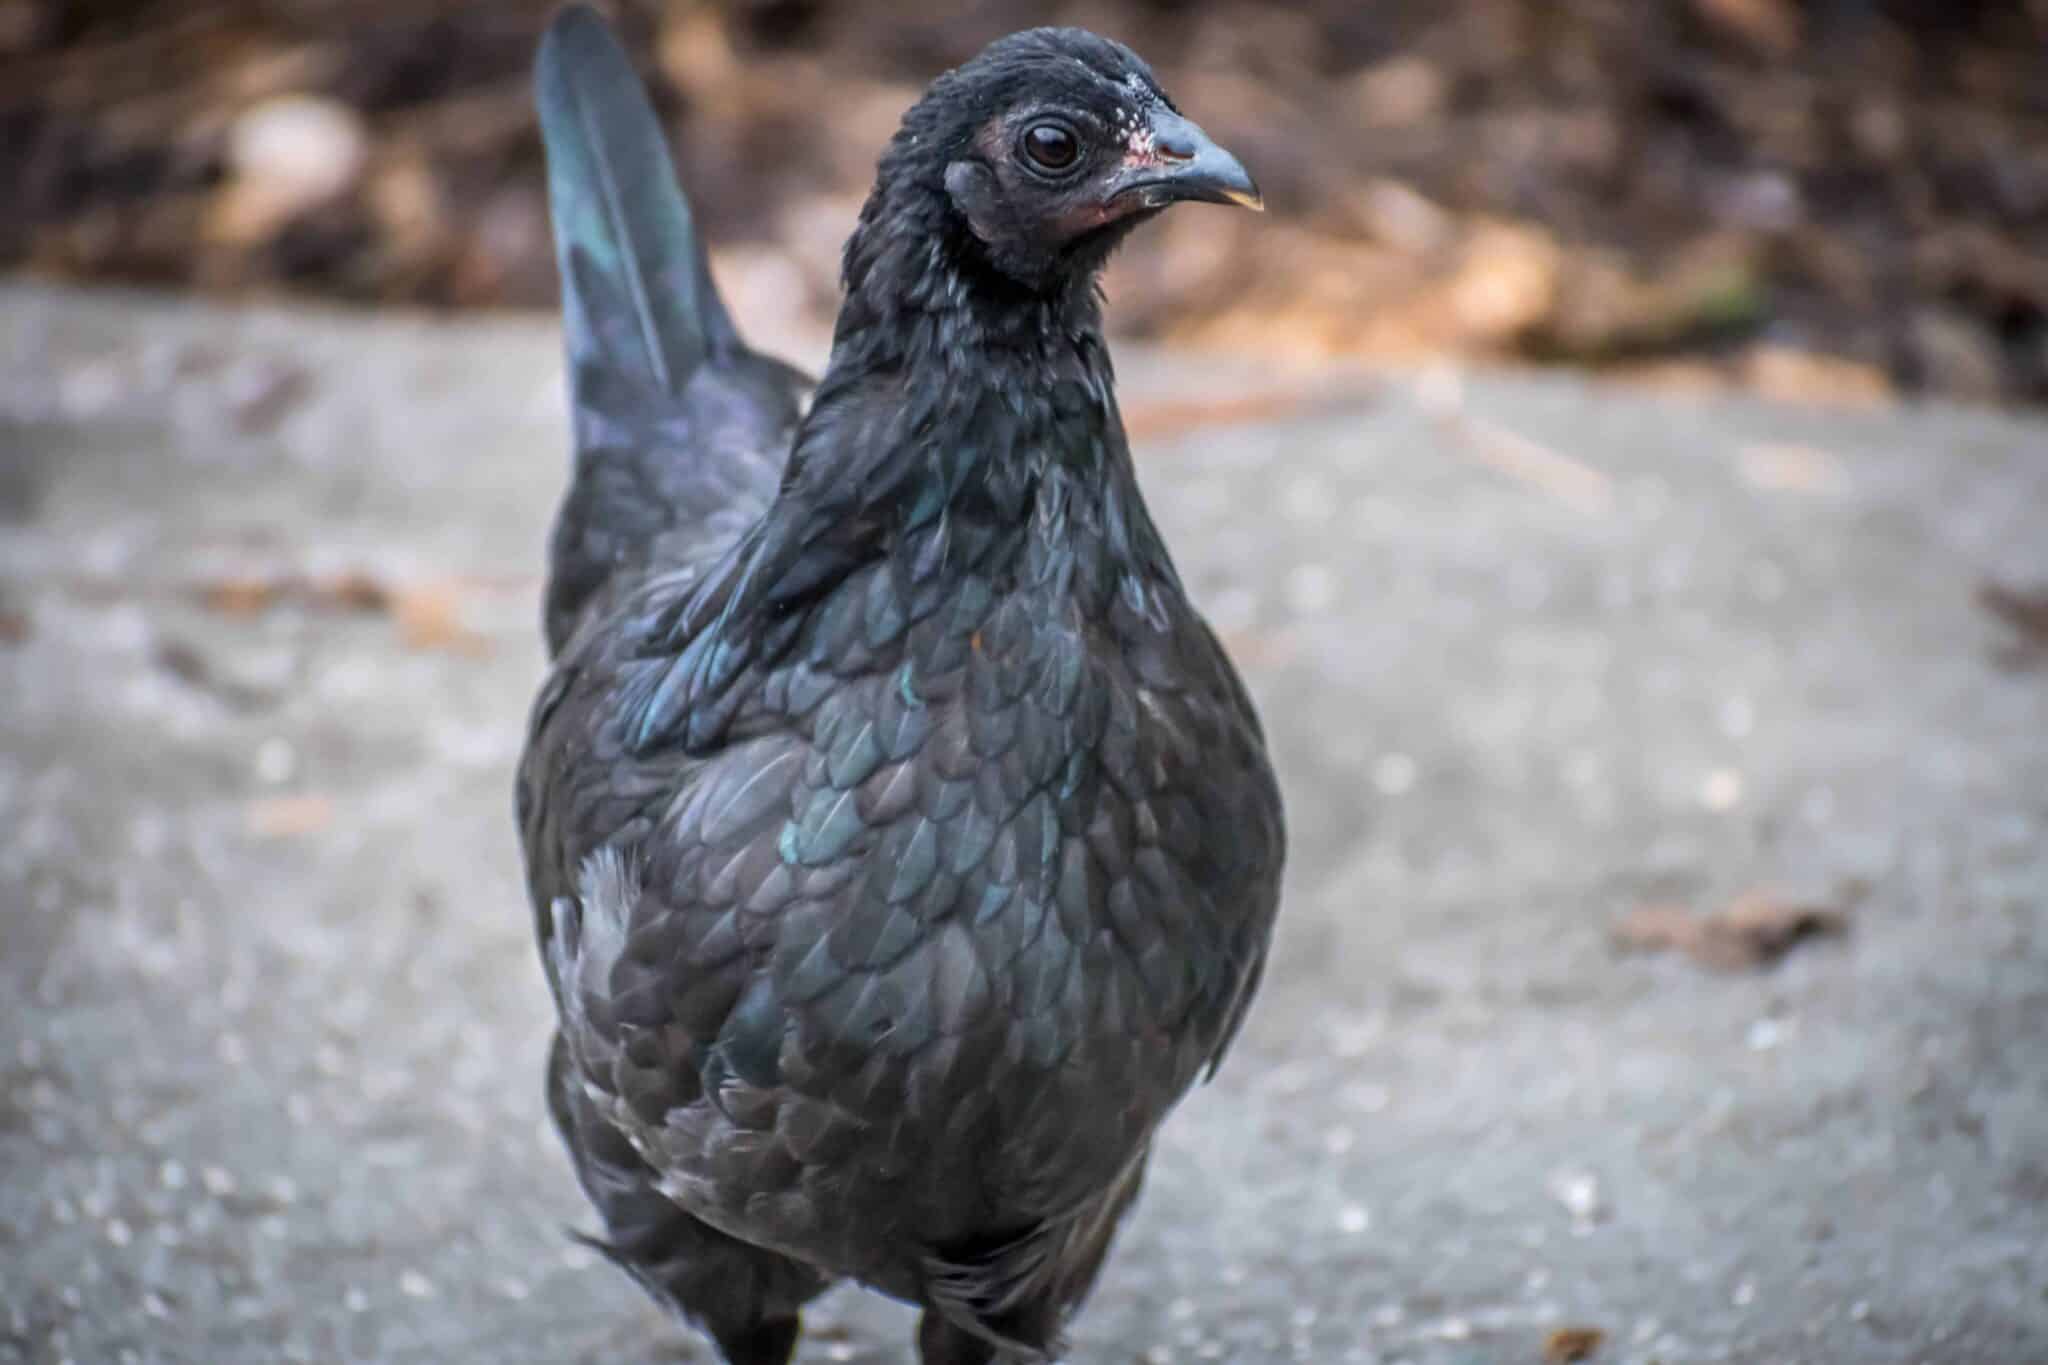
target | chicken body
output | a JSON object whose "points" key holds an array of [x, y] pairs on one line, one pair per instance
{"points": [[902, 843]]}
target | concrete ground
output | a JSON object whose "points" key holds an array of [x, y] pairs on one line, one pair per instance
{"points": [[1533, 653]]}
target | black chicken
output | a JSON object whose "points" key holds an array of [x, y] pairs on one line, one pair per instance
{"points": [[903, 845]]}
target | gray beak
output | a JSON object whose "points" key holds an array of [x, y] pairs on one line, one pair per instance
{"points": [[1183, 164]]}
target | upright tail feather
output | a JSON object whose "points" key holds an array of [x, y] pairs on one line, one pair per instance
{"points": [[638, 303], [681, 431]]}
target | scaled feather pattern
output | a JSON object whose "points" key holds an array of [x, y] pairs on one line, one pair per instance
{"points": [[903, 845]]}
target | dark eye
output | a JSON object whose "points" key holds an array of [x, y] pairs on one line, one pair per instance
{"points": [[1051, 146]]}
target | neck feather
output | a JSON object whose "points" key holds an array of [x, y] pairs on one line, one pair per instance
{"points": [[952, 387], [963, 442]]}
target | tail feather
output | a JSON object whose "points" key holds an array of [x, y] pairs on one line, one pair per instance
{"points": [[637, 297], [681, 431]]}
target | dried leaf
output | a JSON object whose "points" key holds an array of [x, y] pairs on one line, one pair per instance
{"points": [[1769, 924], [1609, 309], [1754, 930], [1567, 1344], [2025, 611], [205, 144], [1770, 26], [1803, 376], [352, 590], [1165, 419], [1787, 468], [248, 594], [1398, 93], [1507, 282], [241, 596], [1652, 928], [429, 616], [1398, 215], [286, 817], [1262, 649]]}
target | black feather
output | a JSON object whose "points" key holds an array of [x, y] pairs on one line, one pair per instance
{"points": [[637, 296], [902, 843], [681, 430]]}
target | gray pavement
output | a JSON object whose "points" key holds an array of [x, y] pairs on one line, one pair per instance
{"points": [[1533, 652]]}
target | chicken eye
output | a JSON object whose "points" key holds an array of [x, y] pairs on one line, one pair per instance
{"points": [[1051, 146]]}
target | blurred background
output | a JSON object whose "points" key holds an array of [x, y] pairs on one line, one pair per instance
{"points": [[1665, 952], [1813, 198]]}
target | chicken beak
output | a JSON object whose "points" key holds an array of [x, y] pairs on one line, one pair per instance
{"points": [[1172, 160]]}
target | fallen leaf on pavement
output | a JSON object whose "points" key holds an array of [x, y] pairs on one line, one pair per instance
{"points": [[248, 594], [428, 613], [1567, 1344], [429, 616], [353, 589], [1787, 468], [244, 596], [285, 817], [1262, 648], [1801, 376], [1772, 27], [2025, 611], [1754, 930], [1166, 418]]}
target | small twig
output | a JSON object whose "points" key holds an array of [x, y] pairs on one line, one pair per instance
{"points": [[1168, 418], [1551, 472]]}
